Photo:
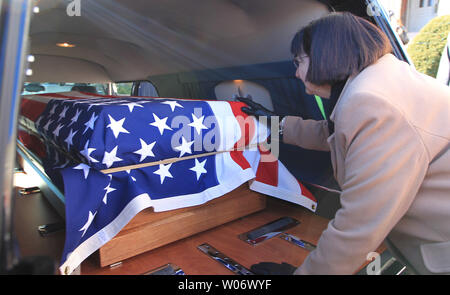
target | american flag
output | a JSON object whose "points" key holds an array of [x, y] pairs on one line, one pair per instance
{"points": [[195, 151]]}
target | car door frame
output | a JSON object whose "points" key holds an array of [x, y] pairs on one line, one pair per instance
{"points": [[15, 21]]}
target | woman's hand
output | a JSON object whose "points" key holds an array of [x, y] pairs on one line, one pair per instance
{"points": [[255, 109]]}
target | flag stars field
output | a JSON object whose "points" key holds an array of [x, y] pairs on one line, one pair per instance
{"points": [[116, 126], [110, 158], [163, 171], [108, 190], [199, 168], [197, 123], [185, 147], [146, 150], [57, 129], [88, 223], [90, 124], [69, 138], [132, 105], [85, 169], [63, 113], [75, 117], [86, 152], [48, 125], [173, 104], [160, 124]]}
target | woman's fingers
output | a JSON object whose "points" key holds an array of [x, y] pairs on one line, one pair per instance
{"points": [[249, 102]]}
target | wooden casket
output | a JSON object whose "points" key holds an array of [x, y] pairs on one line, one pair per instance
{"points": [[102, 148]]}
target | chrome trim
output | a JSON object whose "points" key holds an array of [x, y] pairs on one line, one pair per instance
{"points": [[29, 191], [224, 260], [268, 231], [298, 242], [168, 269]]}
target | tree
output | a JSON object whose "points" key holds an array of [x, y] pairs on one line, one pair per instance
{"points": [[426, 47]]}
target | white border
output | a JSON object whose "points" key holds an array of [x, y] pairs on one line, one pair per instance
{"points": [[283, 194]]}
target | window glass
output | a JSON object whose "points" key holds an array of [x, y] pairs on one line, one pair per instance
{"points": [[50, 87], [144, 88], [123, 88]]}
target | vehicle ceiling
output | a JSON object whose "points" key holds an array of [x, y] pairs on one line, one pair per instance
{"points": [[118, 40]]}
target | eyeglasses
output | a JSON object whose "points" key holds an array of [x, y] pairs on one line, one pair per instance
{"points": [[298, 60]]}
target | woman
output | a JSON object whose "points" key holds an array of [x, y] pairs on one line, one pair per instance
{"points": [[388, 135]]}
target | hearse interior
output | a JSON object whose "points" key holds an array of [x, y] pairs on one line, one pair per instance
{"points": [[180, 52]]}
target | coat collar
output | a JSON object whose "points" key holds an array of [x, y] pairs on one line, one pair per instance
{"points": [[349, 81], [352, 78]]}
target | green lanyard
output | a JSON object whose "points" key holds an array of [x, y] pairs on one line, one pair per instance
{"points": [[320, 104]]}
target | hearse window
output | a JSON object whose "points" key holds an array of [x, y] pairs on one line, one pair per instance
{"points": [[123, 88], [228, 90], [135, 88], [51, 87]]}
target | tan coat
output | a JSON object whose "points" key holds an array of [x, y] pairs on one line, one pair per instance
{"points": [[391, 156]]}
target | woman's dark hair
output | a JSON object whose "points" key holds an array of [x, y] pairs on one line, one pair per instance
{"points": [[339, 45]]}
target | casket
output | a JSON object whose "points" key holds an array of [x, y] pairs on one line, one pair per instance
{"points": [[139, 173]]}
